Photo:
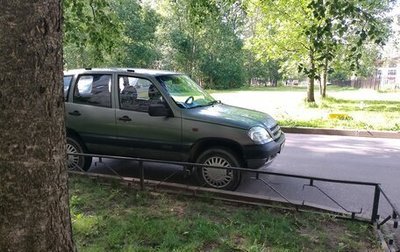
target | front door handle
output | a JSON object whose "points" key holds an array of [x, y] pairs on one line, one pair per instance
{"points": [[125, 119], [75, 113]]}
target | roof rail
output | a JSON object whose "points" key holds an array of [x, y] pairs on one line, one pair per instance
{"points": [[88, 68], [130, 70]]}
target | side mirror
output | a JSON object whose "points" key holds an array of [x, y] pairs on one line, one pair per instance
{"points": [[159, 109]]}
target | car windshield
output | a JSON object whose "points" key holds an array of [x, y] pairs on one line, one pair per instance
{"points": [[185, 92]]}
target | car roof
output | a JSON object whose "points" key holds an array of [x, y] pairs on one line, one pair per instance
{"points": [[153, 72]]}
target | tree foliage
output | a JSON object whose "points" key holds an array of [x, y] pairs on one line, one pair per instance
{"points": [[200, 38], [226, 43], [90, 31], [349, 24], [137, 45], [312, 31]]}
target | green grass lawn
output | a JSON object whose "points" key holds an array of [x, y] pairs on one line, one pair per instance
{"points": [[360, 109], [114, 218]]}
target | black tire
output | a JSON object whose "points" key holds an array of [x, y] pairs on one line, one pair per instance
{"points": [[218, 178], [78, 163]]}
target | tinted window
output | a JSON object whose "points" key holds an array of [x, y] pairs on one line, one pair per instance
{"points": [[137, 93], [67, 83], [94, 89]]}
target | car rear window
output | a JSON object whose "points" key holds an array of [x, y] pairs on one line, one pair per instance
{"points": [[67, 84]]}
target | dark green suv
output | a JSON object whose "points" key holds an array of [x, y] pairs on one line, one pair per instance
{"points": [[165, 116]]}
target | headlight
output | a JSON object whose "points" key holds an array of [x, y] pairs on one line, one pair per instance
{"points": [[259, 135]]}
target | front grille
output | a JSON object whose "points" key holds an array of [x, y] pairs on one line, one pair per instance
{"points": [[276, 131]]}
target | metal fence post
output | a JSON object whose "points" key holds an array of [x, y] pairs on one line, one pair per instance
{"points": [[374, 216], [141, 168]]}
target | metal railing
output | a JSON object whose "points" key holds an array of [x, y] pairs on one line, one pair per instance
{"points": [[378, 191]]}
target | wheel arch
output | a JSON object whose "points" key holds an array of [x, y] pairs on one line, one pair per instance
{"points": [[72, 133], [84, 165], [207, 143]]}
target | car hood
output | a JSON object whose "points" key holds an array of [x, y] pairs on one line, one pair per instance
{"points": [[230, 116]]}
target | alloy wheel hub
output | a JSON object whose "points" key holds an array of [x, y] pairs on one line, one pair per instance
{"points": [[217, 177]]}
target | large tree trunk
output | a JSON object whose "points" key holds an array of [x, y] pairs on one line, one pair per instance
{"points": [[34, 212]]}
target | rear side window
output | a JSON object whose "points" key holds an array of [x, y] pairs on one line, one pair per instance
{"points": [[67, 83], [93, 89]]}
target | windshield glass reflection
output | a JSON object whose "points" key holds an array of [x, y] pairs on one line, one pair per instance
{"points": [[185, 92]]}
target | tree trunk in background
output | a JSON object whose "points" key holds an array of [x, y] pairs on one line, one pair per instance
{"points": [[320, 84], [310, 91], [34, 212], [310, 88], [324, 78]]}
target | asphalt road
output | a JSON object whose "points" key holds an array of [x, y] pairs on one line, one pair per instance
{"points": [[334, 157]]}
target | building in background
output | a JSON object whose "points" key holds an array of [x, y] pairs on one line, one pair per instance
{"points": [[388, 73]]}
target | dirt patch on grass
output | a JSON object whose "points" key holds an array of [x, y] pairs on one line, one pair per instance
{"points": [[339, 235]]}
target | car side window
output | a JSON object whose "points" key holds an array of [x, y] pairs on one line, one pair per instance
{"points": [[137, 93], [93, 89]]}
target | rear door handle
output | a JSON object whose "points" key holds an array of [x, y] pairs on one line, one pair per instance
{"points": [[125, 119], [75, 113]]}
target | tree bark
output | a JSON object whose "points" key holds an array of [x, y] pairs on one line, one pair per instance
{"points": [[310, 88], [324, 78], [320, 84], [34, 211]]}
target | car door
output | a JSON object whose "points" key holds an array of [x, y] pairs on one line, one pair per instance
{"points": [[138, 133], [90, 114]]}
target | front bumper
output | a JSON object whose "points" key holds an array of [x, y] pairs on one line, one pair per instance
{"points": [[258, 155]]}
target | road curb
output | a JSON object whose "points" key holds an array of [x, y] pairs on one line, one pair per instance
{"points": [[342, 132]]}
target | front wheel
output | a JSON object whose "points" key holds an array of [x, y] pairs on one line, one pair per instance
{"points": [[225, 179], [79, 163]]}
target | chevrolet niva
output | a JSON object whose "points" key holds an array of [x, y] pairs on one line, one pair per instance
{"points": [[165, 116]]}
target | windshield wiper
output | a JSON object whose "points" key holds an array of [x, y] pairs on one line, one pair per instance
{"points": [[213, 102], [205, 105], [198, 106]]}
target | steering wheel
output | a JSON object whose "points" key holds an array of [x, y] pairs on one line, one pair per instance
{"points": [[189, 100]]}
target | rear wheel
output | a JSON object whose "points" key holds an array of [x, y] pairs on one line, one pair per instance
{"points": [[225, 179], [77, 162]]}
